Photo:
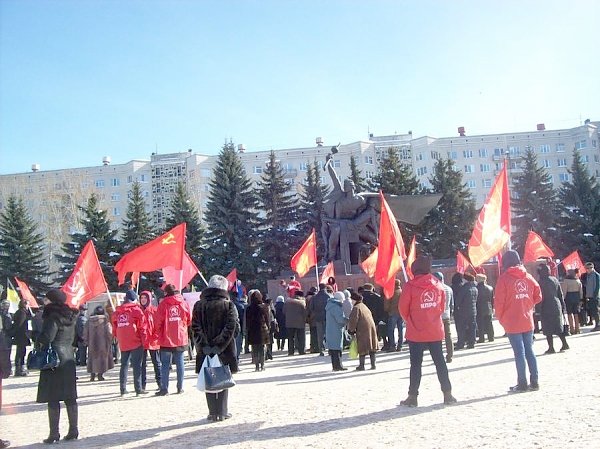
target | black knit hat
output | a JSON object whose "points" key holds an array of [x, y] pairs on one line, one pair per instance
{"points": [[56, 296], [422, 265]]}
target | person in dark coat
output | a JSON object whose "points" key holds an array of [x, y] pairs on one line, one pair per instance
{"points": [[281, 333], [316, 316], [5, 344], [97, 335], [465, 312], [59, 384], [81, 346], [374, 301], [485, 308], [295, 320], [258, 321], [20, 338], [215, 323], [241, 309], [552, 309]]}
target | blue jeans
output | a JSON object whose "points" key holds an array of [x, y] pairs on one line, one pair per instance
{"points": [[522, 345], [135, 355], [166, 357], [416, 361], [393, 322]]}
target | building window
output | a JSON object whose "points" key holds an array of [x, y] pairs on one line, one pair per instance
{"points": [[585, 158], [337, 163], [258, 169], [419, 157], [486, 183], [303, 166], [594, 143], [369, 174], [116, 211], [564, 177], [580, 145], [452, 155], [435, 155], [560, 147], [129, 179], [467, 154], [562, 163], [596, 158], [546, 163], [421, 171], [143, 178], [485, 167], [483, 152], [471, 184], [99, 183], [513, 165], [368, 160], [470, 168], [499, 166], [544, 148], [115, 182], [514, 151], [498, 152], [114, 197]]}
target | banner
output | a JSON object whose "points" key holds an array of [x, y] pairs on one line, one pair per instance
{"points": [[412, 256], [181, 277], [370, 263], [306, 257], [328, 272], [573, 261], [391, 249], [535, 248], [87, 280], [26, 293]]}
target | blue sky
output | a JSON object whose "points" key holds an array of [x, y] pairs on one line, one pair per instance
{"points": [[83, 79]]}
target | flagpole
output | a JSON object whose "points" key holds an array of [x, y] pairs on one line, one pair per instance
{"points": [[202, 276], [180, 279]]}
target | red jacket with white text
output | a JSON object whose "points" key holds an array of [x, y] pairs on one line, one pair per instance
{"points": [[171, 321], [129, 326], [515, 297], [421, 305]]}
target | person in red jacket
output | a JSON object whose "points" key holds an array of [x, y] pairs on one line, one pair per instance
{"points": [[422, 303], [129, 327], [171, 321], [151, 344], [515, 297]]}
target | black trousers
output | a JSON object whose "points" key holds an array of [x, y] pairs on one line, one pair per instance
{"points": [[416, 361], [485, 327], [217, 403], [296, 340]]}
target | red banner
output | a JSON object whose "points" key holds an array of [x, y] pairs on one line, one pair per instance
{"points": [[370, 263], [535, 248], [306, 257], [328, 272], [181, 277], [573, 261], [412, 256], [462, 263], [26, 294], [391, 249], [87, 280]]}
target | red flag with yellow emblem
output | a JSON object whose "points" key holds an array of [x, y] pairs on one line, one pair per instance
{"points": [[166, 250]]}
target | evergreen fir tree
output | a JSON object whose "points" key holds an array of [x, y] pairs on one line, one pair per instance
{"points": [[360, 182], [394, 177], [231, 219], [447, 227], [183, 209], [278, 240], [95, 226], [21, 247], [579, 224], [312, 198], [534, 203], [137, 227]]}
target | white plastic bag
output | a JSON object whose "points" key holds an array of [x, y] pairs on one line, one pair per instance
{"points": [[208, 361]]}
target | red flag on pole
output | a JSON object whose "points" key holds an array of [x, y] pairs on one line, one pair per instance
{"points": [[370, 263], [391, 249], [573, 261], [87, 280], [186, 274], [462, 263], [164, 251], [535, 248], [328, 272], [135, 278], [492, 228], [232, 278], [26, 293], [412, 256], [306, 257]]}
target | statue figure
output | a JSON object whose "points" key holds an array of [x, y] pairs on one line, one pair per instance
{"points": [[351, 221]]}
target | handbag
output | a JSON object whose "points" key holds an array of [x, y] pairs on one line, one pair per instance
{"points": [[43, 359], [353, 351], [217, 377]]}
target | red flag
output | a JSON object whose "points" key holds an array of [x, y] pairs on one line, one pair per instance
{"points": [[164, 251], [185, 275], [492, 228], [370, 263], [328, 272], [232, 278], [26, 293], [535, 248], [306, 257], [391, 249], [87, 280], [412, 256], [135, 278], [462, 263], [572, 261]]}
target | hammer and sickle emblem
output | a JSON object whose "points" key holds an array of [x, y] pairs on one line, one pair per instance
{"points": [[169, 239]]}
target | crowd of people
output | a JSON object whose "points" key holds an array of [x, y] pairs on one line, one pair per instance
{"points": [[226, 323]]}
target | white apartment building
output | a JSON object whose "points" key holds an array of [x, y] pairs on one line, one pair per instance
{"points": [[53, 196]]}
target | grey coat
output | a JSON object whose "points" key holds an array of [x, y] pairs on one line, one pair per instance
{"points": [[295, 313], [334, 324], [552, 306], [97, 335]]}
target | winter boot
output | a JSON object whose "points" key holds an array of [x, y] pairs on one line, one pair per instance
{"points": [[550, 349], [410, 401], [448, 398], [20, 371], [361, 363], [372, 357], [565, 345], [53, 420], [93, 377], [73, 414], [211, 400]]}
